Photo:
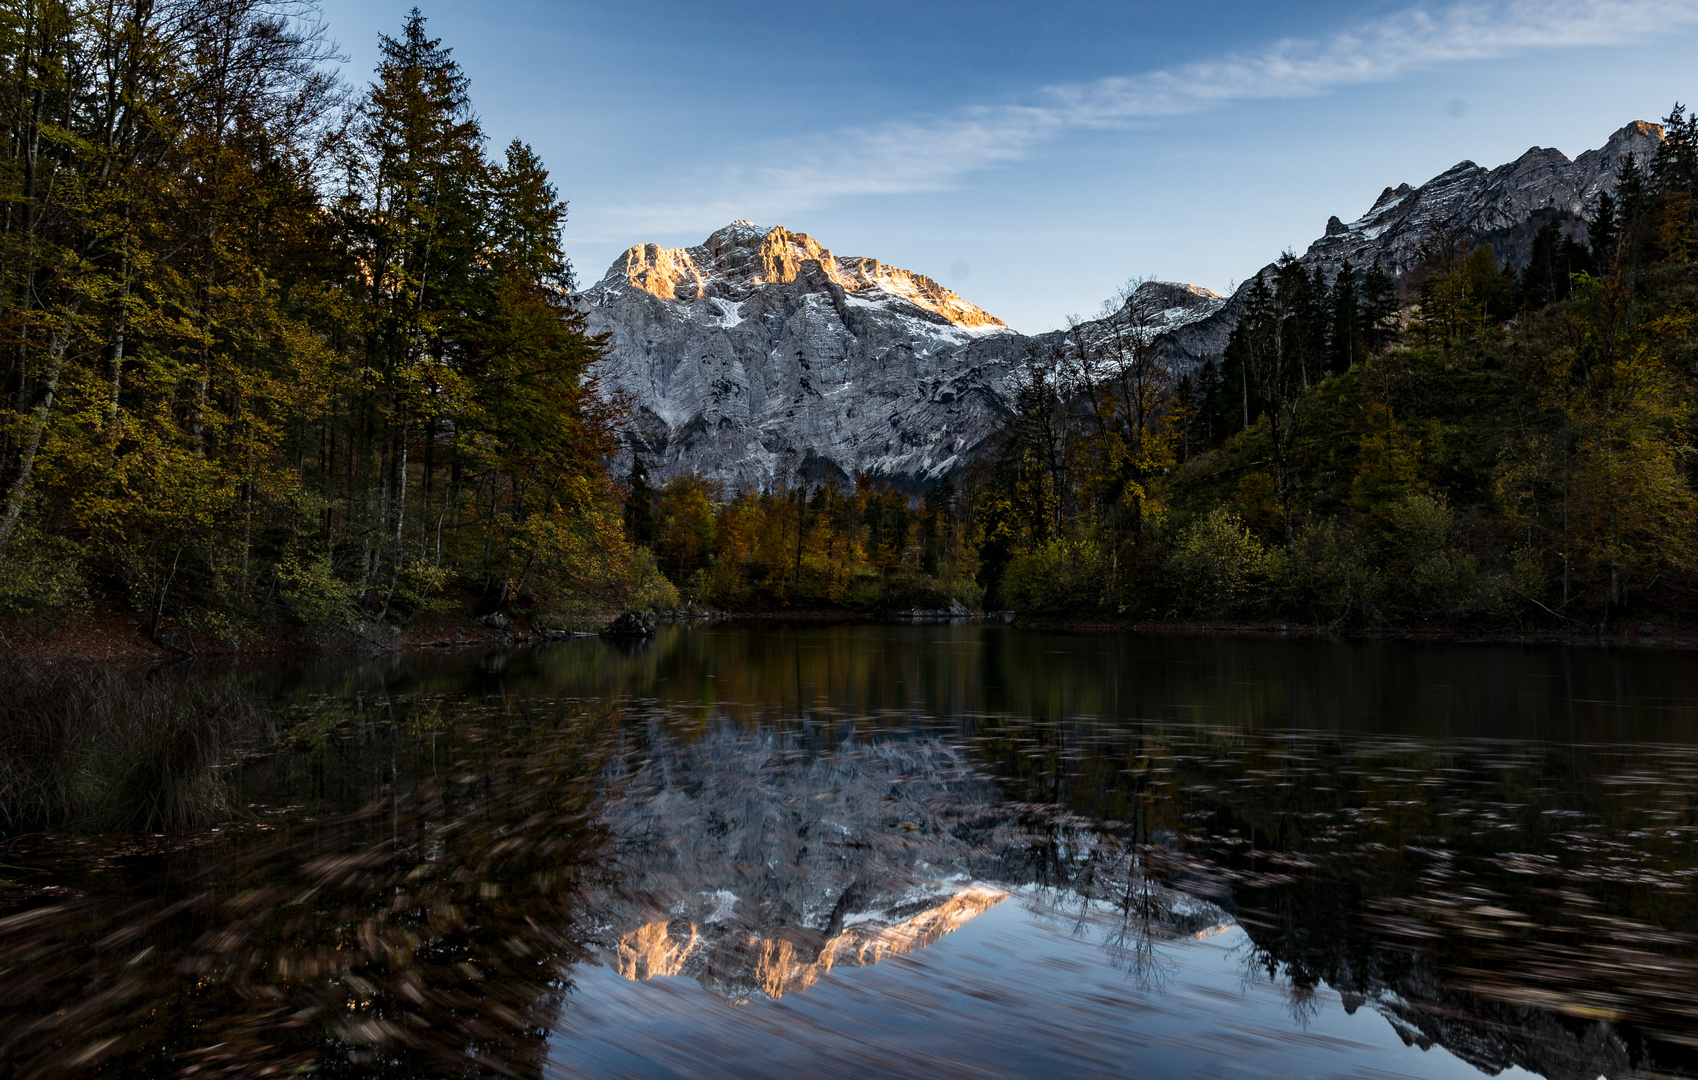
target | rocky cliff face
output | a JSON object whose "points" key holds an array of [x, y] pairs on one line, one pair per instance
{"points": [[761, 359]]}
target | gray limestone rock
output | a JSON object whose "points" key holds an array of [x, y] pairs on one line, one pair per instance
{"points": [[760, 359]]}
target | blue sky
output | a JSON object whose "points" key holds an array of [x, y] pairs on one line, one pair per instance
{"points": [[1033, 156]]}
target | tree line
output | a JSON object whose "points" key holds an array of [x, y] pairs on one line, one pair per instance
{"points": [[279, 346]]}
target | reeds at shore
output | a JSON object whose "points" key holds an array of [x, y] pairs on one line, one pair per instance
{"points": [[90, 747]]}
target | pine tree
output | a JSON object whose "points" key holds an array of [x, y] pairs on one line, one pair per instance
{"points": [[1636, 214], [1674, 174], [1345, 338], [639, 504], [1215, 414], [1315, 311], [1603, 231], [1377, 309], [1273, 359], [1544, 280]]}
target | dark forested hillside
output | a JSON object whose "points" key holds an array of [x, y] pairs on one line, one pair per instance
{"points": [[1502, 444], [278, 348]]}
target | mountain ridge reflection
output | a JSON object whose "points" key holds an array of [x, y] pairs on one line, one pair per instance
{"points": [[758, 860]]}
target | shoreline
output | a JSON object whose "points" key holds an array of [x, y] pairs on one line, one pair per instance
{"points": [[118, 637], [1663, 636]]}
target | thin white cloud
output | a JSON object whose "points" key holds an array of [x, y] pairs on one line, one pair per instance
{"points": [[933, 154]]}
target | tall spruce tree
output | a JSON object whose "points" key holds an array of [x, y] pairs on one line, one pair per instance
{"points": [[1603, 230], [1345, 338], [1377, 309], [639, 503], [1674, 174], [1636, 218]]}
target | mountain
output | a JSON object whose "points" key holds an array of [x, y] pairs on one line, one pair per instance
{"points": [[1502, 206], [759, 358]]}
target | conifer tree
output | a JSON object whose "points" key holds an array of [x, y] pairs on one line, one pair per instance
{"points": [[1273, 359], [639, 504], [1544, 280], [1315, 313], [1674, 174], [1345, 338], [1215, 416], [1377, 309], [1602, 233], [1636, 216]]}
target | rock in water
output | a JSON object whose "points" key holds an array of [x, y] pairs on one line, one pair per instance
{"points": [[631, 625]]}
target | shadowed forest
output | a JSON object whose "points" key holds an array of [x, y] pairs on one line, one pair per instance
{"points": [[277, 348]]}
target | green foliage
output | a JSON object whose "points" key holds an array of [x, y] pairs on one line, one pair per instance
{"points": [[1329, 577], [315, 594], [1421, 570], [1217, 563], [252, 316], [1071, 576], [40, 575], [1537, 470], [650, 590]]}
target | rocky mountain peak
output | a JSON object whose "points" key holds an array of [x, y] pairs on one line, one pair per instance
{"points": [[760, 358], [740, 258], [1503, 207]]}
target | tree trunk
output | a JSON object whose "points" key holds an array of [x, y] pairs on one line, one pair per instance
{"points": [[37, 426]]}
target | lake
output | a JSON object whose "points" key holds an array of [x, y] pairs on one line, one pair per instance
{"points": [[755, 850]]}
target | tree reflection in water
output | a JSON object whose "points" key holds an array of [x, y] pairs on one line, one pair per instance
{"points": [[430, 932], [1517, 904]]}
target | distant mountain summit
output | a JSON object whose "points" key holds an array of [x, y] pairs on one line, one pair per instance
{"points": [[1490, 203], [760, 358], [741, 258]]}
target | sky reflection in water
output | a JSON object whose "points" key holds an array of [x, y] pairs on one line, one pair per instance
{"points": [[907, 850]]}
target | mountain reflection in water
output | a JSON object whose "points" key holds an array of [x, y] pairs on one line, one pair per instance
{"points": [[903, 851]]}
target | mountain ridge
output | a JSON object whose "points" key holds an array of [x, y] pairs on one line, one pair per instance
{"points": [[761, 359]]}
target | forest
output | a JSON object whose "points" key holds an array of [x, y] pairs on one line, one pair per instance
{"points": [[283, 350], [1477, 444], [280, 349]]}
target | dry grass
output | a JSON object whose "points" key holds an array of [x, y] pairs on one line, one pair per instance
{"points": [[90, 747]]}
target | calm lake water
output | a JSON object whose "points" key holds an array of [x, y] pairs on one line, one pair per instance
{"points": [[902, 850]]}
